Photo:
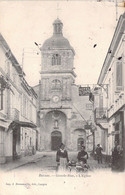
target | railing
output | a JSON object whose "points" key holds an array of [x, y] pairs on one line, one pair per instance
{"points": [[101, 113]]}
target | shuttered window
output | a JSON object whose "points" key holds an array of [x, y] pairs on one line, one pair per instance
{"points": [[1, 99], [119, 76]]}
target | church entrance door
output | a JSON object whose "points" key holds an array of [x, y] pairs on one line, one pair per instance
{"points": [[56, 139], [80, 143]]}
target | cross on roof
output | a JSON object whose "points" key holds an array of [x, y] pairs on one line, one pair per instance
{"points": [[58, 9]]}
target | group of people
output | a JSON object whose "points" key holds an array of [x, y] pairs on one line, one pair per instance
{"points": [[62, 158], [117, 158]]}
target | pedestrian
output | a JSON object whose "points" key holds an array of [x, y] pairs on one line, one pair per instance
{"points": [[115, 156], [99, 153], [120, 158], [62, 158], [82, 157]]}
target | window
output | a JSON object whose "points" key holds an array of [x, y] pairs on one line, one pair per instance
{"points": [[56, 59], [30, 109], [109, 92], [119, 76], [112, 87], [24, 106], [3, 85], [56, 84], [14, 74], [1, 99]]}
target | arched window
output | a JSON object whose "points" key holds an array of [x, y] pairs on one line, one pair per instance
{"points": [[56, 59], [56, 84]]}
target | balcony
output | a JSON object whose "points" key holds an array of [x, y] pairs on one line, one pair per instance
{"points": [[100, 115], [14, 114]]}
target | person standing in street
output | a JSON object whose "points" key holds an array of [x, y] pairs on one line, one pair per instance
{"points": [[120, 163], [82, 156], [99, 153], [114, 156], [62, 158], [117, 158]]}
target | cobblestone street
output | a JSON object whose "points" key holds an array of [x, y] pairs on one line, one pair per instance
{"points": [[46, 161]]}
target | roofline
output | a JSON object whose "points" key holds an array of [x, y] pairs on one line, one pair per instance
{"points": [[16, 65], [59, 49], [36, 85], [113, 46], [28, 88], [10, 55]]}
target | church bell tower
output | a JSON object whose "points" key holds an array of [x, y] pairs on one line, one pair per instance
{"points": [[57, 77], [57, 73]]}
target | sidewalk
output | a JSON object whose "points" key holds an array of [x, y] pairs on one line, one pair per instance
{"points": [[22, 161]]}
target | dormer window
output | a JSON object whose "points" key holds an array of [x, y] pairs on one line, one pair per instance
{"points": [[56, 59]]}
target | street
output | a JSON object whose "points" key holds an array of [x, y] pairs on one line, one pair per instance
{"points": [[45, 161], [37, 174]]}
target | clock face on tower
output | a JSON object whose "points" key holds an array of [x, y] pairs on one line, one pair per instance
{"points": [[55, 98]]}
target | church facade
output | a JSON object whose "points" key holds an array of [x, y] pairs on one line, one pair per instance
{"points": [[62, 113]]}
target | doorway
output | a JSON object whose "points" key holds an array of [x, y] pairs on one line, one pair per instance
{"points": [[16, 143], [80, 142], [56, 139]]}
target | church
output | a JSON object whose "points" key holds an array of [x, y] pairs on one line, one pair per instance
{"points": [[62, 112]]}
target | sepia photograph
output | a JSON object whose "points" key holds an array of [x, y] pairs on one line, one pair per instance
{"points": [[62, 97]]}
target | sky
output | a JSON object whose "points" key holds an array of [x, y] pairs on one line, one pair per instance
{"points": [[85, 23]]}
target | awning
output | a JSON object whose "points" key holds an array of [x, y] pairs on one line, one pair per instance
{"points": [[16, 123]]}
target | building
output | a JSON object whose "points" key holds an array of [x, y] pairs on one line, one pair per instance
{"points": [[112, 79], [100, 116], [63, 110], [18, 135]]}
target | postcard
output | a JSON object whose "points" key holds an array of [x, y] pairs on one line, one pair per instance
{"points": [[62, 97]]}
